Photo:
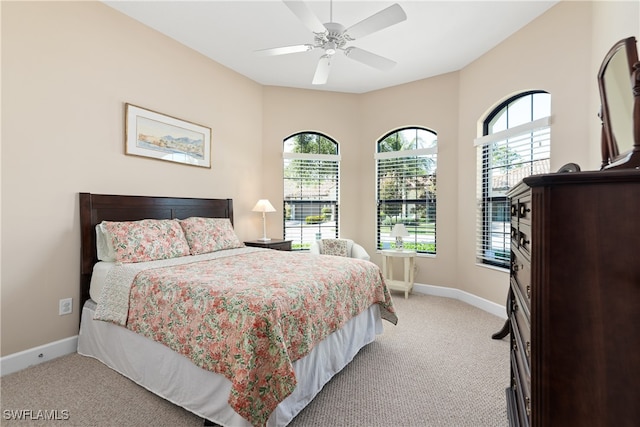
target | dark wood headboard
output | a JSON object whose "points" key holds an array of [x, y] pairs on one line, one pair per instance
{"points": [[95, 208]]}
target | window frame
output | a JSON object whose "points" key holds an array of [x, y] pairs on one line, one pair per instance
{"points": [[426, 245], [497, 206], [305, 233]]}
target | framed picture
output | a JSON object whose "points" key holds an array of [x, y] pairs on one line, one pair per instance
{"points": [[162, 137]]}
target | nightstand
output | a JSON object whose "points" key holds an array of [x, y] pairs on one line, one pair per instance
{"points": [[409, 257], [277, 244]]}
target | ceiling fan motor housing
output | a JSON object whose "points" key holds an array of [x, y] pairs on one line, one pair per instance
{"points": [[334, 39]]}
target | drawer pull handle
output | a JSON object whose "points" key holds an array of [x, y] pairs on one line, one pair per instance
{"points": [[529, 291], [524, 210], [513, 210], [528, 349], [528, 406]]}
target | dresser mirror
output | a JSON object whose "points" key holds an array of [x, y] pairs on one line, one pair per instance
{"points": [[619, 85]]}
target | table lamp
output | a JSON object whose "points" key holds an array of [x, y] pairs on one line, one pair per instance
{"points": [[263, 206], [399, 231]]}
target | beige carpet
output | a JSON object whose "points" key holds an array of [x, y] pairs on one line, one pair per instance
{"points": [[437, 367]]}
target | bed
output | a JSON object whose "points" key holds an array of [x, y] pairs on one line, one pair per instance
{"points": [[239, 336]]}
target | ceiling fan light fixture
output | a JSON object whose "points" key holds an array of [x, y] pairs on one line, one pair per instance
{"points": [[330, 48]]}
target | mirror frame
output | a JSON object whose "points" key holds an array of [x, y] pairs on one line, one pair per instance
{"points": [[611, 157]]}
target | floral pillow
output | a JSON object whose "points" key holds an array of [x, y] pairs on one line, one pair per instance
{"points": [[146, 240], [337, 247], [206, 235]]}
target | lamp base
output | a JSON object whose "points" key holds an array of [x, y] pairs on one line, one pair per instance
{"points": [[264, 239], [399, 243]]}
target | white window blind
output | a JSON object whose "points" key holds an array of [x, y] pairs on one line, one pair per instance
{"points": [[504, 159], [406, 191], [311, 194]]}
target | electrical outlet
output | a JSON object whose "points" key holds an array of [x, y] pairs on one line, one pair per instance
{"points": [[65, 306]]}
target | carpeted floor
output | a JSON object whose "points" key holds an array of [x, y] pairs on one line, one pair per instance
{"points": [[437, 367]]}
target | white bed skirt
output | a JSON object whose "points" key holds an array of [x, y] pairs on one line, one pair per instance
{"points": [[176, 379]]}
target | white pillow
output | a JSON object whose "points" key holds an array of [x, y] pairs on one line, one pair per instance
{"points": [[104, 247]]}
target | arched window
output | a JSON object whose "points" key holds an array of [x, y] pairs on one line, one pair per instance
{"points": [[406, 161], [311, 188], [516, 144]]}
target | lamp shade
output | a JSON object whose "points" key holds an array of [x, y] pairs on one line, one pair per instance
{"points": [[399, 230], [263, 205]]}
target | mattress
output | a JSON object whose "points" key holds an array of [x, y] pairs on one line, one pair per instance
{"points": [[204, 393]]}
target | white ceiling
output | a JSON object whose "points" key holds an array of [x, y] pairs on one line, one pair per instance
{"points": [[438, 36]]}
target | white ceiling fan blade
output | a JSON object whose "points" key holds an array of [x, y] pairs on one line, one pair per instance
{"points": [[304, 14], [322, 70], [284, 50], [383, 19], [370, 59]]}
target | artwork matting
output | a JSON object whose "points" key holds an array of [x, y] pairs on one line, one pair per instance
{"points": [[158, 136]]}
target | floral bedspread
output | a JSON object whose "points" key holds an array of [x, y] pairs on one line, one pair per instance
{"points": [[250, 316]]}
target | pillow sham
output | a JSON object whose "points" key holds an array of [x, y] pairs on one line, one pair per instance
{"points": [[336, 247], [206, 235], [146, 240]]}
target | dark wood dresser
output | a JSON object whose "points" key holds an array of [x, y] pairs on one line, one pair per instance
{"points": [[574, 300]]}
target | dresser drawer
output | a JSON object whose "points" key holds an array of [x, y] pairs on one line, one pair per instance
{"points": [[521, 346], [512, 408], [521, 393], [523, 241], [524, 209], [521, 328], [521, 275], [520, 354]]}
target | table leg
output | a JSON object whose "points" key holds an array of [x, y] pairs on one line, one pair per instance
{"points": [[407, 276]]}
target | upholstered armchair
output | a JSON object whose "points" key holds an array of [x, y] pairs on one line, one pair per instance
{"points": [[340, 247]]}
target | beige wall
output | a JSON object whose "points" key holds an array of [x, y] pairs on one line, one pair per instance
{"points": [[432, 103], [551, 54], [554, 53], [288, 111], [67, 69]]}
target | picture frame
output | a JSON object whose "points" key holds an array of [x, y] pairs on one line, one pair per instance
{"points": [[162, 137]]}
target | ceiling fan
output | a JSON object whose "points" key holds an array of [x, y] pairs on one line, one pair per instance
{"points": [[332, 37]]}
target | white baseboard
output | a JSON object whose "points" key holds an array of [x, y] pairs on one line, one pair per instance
{"points": [[474, 300], [36, 355]]}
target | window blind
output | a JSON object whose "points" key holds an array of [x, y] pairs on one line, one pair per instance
{"points": [[311, 194], [504, 159], [406, 194]]}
